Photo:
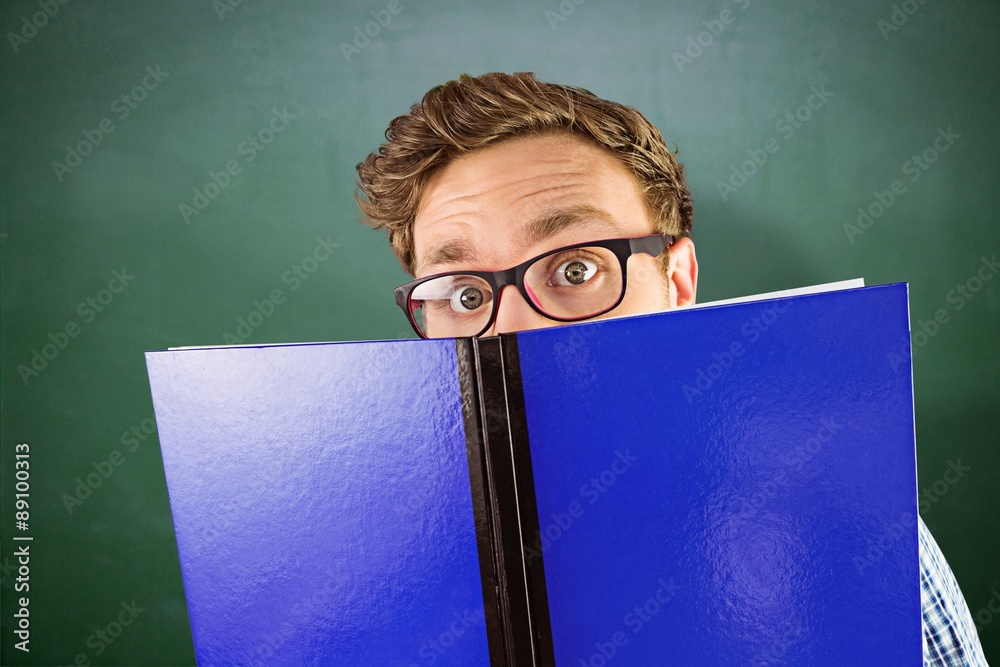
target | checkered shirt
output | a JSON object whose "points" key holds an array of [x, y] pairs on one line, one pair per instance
{"points": [[950, 638]]}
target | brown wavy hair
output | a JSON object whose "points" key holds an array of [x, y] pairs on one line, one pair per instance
{"points": [[462, 116]]}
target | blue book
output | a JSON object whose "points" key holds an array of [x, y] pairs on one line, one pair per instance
{"points": [[721, 485]]}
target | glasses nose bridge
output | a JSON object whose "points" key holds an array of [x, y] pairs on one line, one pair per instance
{"points": [[501, 279], [515, 276]]}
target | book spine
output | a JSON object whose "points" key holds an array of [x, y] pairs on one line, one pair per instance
{"points": [[530, 531], [504, 502], [484, 513]]}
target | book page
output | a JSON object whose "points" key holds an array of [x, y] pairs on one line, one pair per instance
{"points": [[797, 291]]}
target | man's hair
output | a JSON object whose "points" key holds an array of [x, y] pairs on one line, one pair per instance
{"points": [[462, 116]]}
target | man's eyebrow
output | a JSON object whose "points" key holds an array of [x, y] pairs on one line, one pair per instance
{"points": [[552, 222], [448, 252], [549, 223]]}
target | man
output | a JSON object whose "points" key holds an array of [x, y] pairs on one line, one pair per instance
{"points": [[499, 171]]}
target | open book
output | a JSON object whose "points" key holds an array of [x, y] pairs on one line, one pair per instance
{"points": [[715, 485]]}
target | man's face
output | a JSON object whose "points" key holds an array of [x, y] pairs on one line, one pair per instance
{"points": [[507, 203]]}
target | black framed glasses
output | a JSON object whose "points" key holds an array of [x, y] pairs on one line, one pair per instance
{"points": [[567, 284]]}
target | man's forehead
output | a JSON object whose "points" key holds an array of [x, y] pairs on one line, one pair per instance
{"points": [[506, 198], [471, 186]]}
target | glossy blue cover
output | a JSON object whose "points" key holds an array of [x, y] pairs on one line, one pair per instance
{"points": [[733, 485], [321, 501]]}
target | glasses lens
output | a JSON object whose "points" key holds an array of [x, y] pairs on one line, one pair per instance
{"points": [[575, 283], [452, 306]]}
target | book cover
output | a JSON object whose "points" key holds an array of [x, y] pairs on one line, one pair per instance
{"points": [[701, 486]]}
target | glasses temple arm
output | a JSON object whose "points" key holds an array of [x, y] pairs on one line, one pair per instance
{"points": [[651, 245]]}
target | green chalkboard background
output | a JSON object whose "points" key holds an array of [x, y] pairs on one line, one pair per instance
{"points": [[221, 72]]}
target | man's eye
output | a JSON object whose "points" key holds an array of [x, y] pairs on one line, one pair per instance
{"points": [[574, 272], [466, 299]]}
